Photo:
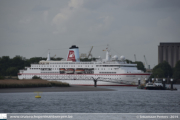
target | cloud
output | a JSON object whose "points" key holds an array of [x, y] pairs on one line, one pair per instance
{"points": [[129, 26], [103, 24], [65, 14]]}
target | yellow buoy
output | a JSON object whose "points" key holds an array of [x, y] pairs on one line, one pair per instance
{"points": [[37, 96]]}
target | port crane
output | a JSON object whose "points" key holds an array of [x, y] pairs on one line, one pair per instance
{"points": [[145, 61], [135, 57], [90, 53], [54, 56], [83, 55]]}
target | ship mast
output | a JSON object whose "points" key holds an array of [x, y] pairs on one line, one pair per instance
{"points": [[48, 56], [107, 53]]}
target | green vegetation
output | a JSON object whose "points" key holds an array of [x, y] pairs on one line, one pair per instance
{"points": [[2, 77], [128, 61], [30, 83], [140, 65], [162, 70], [10, 67], [36, 77], [59, 84], [86, 59], [176, 74]]}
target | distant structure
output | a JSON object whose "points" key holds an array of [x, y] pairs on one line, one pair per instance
{"points": [[169, 52]]}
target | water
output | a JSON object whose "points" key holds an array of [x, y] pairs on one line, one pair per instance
{"points": [[122, 100]]}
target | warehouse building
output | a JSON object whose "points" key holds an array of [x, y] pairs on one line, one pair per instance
{"points": [[169, 52]]}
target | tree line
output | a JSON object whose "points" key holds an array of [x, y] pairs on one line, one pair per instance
{"points": [[162, 70], [11, 66]]}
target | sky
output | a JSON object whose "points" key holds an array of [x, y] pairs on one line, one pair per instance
{"points": [[30, 28]]}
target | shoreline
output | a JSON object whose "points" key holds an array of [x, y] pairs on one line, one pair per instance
{"points": [[54, 89]]}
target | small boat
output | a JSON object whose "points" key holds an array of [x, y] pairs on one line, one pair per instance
{"points": [[154, 86], [158, 83], [150, 86]]}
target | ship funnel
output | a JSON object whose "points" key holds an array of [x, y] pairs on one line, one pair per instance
{"points": [[73, 54]]}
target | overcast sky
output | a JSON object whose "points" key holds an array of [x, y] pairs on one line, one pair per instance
{"points": [[30, 27]]}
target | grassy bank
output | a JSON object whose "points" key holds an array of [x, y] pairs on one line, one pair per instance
{"points": [[9, 83]]}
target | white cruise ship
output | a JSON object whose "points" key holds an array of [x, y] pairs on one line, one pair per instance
{"points": [[107, 72]]}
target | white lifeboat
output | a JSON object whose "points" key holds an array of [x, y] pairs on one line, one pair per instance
{"points": [[79, 71], [69, 71], [62, 69]]}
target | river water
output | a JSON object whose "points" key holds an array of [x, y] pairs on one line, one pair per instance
{"points": [[122, 100]]}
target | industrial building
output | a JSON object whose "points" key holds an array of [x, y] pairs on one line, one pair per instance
{"points": [[169, 52]]}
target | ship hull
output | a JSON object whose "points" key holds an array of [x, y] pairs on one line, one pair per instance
{"points": [[91, 83], [88, 79]]}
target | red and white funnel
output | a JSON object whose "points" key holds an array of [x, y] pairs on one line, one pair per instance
{"points": [[73, 54]]}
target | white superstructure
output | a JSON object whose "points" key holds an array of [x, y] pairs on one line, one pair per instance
{"points": [[109, 71]]}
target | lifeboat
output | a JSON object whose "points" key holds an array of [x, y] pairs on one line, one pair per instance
{"points": [[69, 71], [62, 69], [79, 71]]}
